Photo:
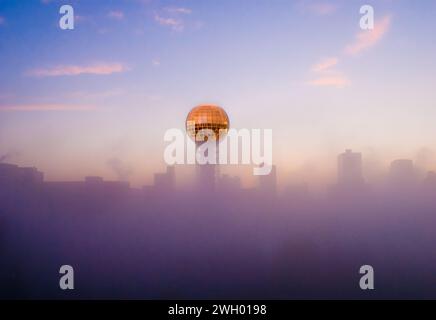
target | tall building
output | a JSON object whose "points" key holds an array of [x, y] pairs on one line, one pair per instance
{"points": [[207, 123], [429, 182], [402, 173], [350, 169]]}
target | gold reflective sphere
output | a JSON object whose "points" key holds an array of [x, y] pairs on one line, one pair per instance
{"points": [[206, 122]]}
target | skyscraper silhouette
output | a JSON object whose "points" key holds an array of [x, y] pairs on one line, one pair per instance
{"points": [[350, 169], [401, 172]]}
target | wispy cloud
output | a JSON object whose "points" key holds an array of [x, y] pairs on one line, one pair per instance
{"points": [[338, 81], [178, 10], [325, 64], [327, 76], [173, 23], [155, 62], [368, 38], [318, 8], [172, 17], [85, 95], [2, 20], [74, 70], [116, 15], [45, 107]]}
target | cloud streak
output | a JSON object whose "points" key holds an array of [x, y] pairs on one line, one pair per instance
{"points": [[75, 70], [338, 81], [368, 38], [46, 107], [325, 64], [328, 77], [319, 8], [178, 10], [175, 24], [172, 18]]}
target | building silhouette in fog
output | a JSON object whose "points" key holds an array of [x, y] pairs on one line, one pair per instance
{"points": [[268, 183], [429, 182], [165, 181], [402, 173], [91, 190], [350, 169], [11, 174], [16, 182]]}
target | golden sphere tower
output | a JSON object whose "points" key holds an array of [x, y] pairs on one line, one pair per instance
{"points": [[203, 123]]}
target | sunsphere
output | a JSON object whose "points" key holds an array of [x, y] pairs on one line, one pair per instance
{"points": [[206, 122]]}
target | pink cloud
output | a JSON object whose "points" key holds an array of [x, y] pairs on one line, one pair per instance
{"points": [[96, 69], [325, 64], [338, 81], [46, 107], [117, 15], [368, 38], [175, 24], [319, 8], [178, 10], [89, 95]]}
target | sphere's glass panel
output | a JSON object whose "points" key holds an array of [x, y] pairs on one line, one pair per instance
{"points": [[207, 122]]}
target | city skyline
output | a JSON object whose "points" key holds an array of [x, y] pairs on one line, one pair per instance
{"points": [[350, 173], [232, 243], [217, 150], [135, 68]]}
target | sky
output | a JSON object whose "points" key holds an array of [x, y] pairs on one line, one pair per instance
{"points": [[73, 102]]}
